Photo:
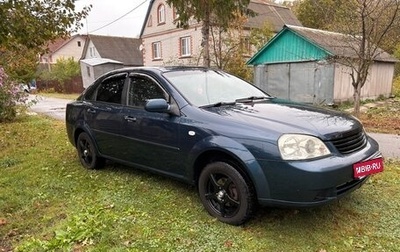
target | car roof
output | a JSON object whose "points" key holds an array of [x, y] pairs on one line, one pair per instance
{"points": [[158, 69]]}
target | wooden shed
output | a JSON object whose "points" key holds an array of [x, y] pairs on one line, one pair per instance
{"points": [[93, 68], [299, 64]]}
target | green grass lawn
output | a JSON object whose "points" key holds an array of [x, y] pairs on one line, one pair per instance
{"points": [[48, 202]]}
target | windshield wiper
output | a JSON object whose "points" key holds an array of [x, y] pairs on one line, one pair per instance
{"points": [[218, 104], [252, 98]]}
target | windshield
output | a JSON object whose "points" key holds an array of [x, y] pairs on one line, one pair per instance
{"points": [[204, 87]]}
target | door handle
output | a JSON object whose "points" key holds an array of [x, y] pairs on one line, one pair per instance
{"points": [[91, 111], [130, 118]]}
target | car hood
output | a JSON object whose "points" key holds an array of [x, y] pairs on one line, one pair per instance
{"points": [[283, 117]]}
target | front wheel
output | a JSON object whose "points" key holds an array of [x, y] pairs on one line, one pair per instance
{"points": [[225, 193], [87, 152]]}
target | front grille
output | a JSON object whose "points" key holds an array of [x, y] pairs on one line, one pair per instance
{"points": [[349, 185], [339, 190], [350, 142]]}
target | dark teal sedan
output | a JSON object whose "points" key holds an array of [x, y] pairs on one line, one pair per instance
{"points": [[238, 145]]}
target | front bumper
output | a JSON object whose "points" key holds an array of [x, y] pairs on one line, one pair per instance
{"points": [[312, 183]]}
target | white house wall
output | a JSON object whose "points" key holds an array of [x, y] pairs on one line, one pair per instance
{"points": [[73, 49], [170, 48], [169, 37], [379, 82], [91, 51], [87, 74], [91, 73]]}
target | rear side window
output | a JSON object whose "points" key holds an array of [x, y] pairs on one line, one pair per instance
{"points": [[141, 89], [110, 90]]}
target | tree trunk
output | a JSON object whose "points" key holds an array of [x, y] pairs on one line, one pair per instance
{"points": [[205, 31], [357, 99]]}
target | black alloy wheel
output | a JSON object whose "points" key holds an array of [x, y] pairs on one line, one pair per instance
{"points": [[225, 193], [87, 152]]}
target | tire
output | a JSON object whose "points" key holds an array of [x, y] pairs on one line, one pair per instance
{"points": [[225, 193], [87, 152]]}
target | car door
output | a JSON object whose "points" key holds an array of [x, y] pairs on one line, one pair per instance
{"points": [[103, 114], [151, 138]]}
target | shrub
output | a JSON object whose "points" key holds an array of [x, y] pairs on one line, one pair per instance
{"points": [[61, 72], [396, 86], [10, 97]]}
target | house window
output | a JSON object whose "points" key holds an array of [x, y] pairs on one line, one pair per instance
{"points": [[150, 21], [92, 52], [161, 14], [156, 50], [185, 47], [79, 43], [88, 71]]}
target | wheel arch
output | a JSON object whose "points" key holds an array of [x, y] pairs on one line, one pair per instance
{"points": [[237, 155], [77, 132], [216, 155], [80, 129]]}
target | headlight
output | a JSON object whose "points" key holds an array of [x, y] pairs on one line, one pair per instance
{"points": [[299, 147]]}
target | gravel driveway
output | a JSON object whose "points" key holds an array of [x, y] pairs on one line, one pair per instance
{"points": [[53, 107]]}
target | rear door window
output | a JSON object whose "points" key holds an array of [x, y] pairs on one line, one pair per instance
{"points": [[141, 89], [111, 89]]}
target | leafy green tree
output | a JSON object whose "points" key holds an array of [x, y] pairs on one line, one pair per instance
{"points": [[369, 25], [27, 26], [332, 14], [218, 13], [260, 36], [33, 23], [229, 47], [396, 53], [10, 96], [65, 69], [62, 71], [321, 14], [20, 65], [232, 46]]}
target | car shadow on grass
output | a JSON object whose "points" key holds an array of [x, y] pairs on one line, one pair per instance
{"points": [[285, 218]]}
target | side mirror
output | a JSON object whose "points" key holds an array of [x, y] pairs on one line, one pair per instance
{"points": [[157, 105]]}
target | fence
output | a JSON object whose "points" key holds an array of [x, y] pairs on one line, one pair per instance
{"points": [[74, 85]]}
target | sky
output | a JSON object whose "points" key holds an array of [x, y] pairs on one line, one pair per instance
{"points": [[121, 18]]}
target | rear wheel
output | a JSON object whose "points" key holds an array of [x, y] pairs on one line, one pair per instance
{"points": [[225, 193], [87, 152]]}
